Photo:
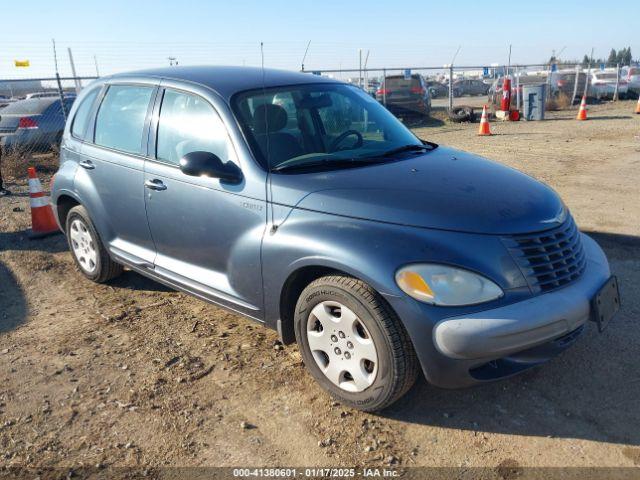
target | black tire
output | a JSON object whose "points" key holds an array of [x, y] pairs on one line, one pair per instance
{"points": [[397, 367], [461, 114], [105, 268]]}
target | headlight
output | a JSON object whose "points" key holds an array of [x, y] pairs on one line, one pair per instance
{"points": [[447, 286]]}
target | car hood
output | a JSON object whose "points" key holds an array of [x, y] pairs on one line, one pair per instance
{"points": [[442, 189]]}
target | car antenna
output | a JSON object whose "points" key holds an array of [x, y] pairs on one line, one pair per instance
{"points": [[266, 128], [304, 57]]}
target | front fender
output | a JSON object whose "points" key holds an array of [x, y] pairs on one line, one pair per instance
{"points": [[373, 252]]}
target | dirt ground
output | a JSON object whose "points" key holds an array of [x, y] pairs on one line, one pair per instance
{"points": [[133, 374]]}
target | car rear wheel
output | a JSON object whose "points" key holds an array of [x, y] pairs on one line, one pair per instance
{"points": [[87, 249], [353, 343]]}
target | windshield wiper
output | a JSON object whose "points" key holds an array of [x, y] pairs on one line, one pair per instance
{"points": [[325, 162], [353, 161], [427, 146]]}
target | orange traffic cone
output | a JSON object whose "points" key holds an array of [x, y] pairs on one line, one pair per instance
{"points": [[42, 221], [582, 113], [484, 123], [638, 105]]}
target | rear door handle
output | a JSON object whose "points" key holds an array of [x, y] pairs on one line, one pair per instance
{"points": [[88, 164], [155, 184]]}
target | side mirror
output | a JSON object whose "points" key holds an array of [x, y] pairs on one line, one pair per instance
{"points": [[207, 164]]}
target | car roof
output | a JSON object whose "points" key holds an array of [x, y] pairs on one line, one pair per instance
{"points": [[413, 75], [228, 80], [31, 105]]}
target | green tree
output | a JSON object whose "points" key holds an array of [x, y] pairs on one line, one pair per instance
{"points": [[585, 61], [613, 58]]}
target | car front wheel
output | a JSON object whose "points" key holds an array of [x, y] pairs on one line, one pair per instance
{"points": [[353, 343]]}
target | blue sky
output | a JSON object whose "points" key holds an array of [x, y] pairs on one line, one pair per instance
{"points": [[131, 34]]}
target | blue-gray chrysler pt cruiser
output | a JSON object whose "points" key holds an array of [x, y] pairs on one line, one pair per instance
{"points": [[300, 202]]}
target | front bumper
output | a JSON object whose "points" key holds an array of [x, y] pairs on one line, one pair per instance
{"points": [[411, 105], [514, 337]]}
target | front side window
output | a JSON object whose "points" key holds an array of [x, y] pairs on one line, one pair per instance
{"points": [[81, 119], [188, 123], [320, 125], [121, 118]]}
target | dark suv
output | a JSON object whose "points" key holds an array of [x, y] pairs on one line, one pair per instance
{"points": [[469, 87], [303, 204], [405, 95]]}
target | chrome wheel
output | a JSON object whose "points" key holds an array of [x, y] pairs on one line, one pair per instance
{"points": [[342, 346], [83, 246]]}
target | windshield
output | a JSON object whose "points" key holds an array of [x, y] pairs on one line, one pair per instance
{"points": [[312, 124]]}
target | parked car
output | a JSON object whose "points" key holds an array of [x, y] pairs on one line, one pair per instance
{"points": [[4, 101], [469, 87], [373, 87], [632, 76], [564, 82], [437, 89], [41, 95], [34, 124], [603, 85], [404, 96], [370, 248]]}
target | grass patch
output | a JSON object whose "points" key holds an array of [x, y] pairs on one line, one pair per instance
{"points": [[15, 165]]}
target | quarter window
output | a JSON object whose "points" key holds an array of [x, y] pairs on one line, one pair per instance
{"points": [[189, 123], [120, 120], [81, 119]]}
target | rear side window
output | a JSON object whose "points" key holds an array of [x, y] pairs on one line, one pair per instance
{"points": [[188, 123], [81, 119], [120, 120]]}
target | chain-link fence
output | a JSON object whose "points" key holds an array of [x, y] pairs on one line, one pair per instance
{"points": [[33, 110], [33, 113], [420, 90]]}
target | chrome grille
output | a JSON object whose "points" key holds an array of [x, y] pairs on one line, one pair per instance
{"points": [[549, 259]]}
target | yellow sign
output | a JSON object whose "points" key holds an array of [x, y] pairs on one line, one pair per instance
{"points": [[21, 63]]}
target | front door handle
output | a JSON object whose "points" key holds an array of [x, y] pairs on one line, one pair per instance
{"points": [[88, 164], [155, 184]]}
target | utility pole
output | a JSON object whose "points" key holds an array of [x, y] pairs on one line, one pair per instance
{"points": [[451, 78], [95, 62], [384, 86], [360, 68], [615, 93], [575, 85], [366, 74], [517, 77], [60, 91], [73, 72], [586, 81]]}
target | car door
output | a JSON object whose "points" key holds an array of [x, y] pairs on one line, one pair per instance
{"points": [[207, 233], [111, 176]]}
